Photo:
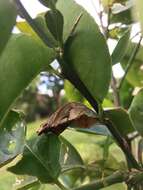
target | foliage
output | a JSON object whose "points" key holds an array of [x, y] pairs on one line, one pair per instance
{"points": [[68, 34]]}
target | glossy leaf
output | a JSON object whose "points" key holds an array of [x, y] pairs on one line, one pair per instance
{"points": [[21, 61], [83, 52], [135, 73], [12, 137], [72, 94], [69, 156], [24, 27], [7, 21], [54, 20], [40, 159], [49, 3], [121, 120], [138, 8], [136, 111], [120, 48], [96, 129], [27, 182]]}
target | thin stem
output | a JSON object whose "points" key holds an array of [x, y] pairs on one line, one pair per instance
{"points": [[60, 185], [122, 143], [33, 24], [115, 91], [130, 178], [130, 62]]}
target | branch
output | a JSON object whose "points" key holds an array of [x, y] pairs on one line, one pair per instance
{"points": [[33, 24], [122, 143], [131, 179], [130, 62]]}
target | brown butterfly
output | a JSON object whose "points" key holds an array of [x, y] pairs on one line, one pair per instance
{"points": [[71, 113]]}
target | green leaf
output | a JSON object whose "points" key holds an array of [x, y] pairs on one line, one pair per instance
{"points": [[136, 111], [69, 156], [7, 21], [54, 20], [21, 61], [26, 182], [49, 3], [124, 17], [121, 120], [40, 159], [12, 137], [138, 8], [24, 27], [126, 94], [83, 53], [135, 73], [120, 48], [96, 129], [72, 94]]}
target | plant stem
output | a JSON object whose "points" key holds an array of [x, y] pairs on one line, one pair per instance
{"points": [[130, 178], [130, 62], [60, 185], [33, 24], [122, 143], [115, 91], [117, 177]]}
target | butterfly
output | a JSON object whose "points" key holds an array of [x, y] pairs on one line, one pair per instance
{"points": [[73, 113]]}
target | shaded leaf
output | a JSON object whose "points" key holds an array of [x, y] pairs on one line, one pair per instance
{"points": [[83, 52], [124, 17], [120, 48], [135, 73], [121, 120], [96, 129], [12, 137], [21, 61], [69, 156], [49, 3], [136, 111], [70, 113], [40, 159], [7, 21], [126, 94], [54, 20]]}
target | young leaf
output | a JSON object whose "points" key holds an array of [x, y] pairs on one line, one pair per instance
{"points": [[136, 111], [54, 20], [70, 113], [7, 21], [120, 48], [12, 137], [21, 61], [87, 52], [121, 120], [40, 159], [49, 3]]}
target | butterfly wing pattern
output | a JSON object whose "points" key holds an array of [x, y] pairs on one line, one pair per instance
{"points": [[71, 113]]}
